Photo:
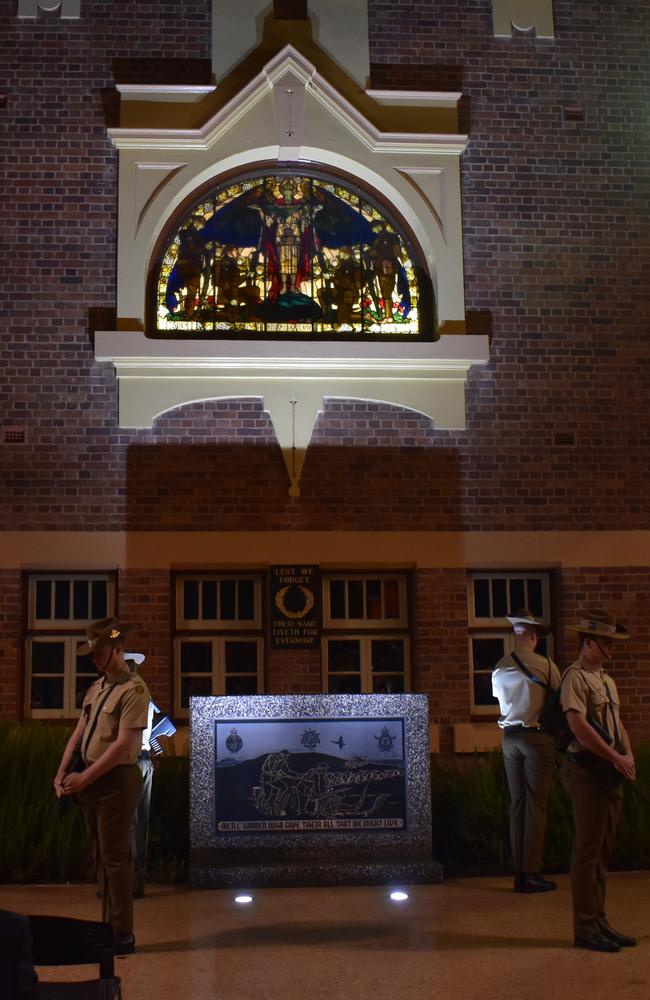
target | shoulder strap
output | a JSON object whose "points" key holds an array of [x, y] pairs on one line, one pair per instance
{"points": [[616, 734], [88, 734], [531, 677]]}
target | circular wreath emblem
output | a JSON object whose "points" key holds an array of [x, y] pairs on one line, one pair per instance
{"points": [[294, 595]]}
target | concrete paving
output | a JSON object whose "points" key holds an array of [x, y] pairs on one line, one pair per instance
{"points": [[468, 939]]}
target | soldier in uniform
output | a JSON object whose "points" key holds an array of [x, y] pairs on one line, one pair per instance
{"points": [[108, 738], [598, 759], [520, 681]]}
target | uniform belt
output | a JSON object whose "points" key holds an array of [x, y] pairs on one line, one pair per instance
{"points": [[523, 729]]}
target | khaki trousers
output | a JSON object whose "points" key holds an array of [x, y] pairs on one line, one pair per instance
{"points": [[108, 806], [597, 805], [140, 825], [529, 759]]}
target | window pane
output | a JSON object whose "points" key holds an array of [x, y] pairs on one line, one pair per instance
{"points": [[391, 599], [48, 657], [241, 685], [355, 598], [482, 598], [199, 686], [246, 600], [209, 609], [373, 599], [228, 605], [388, 685], [47, 692], [337, 598], [81, 686], [241, 657], [535, 602], [344, 685], [190, 600], [99, 599], [499, 599], [196, 657], [486, 652], [387, 655], [84, 664], [62, 599], [483, 690], [43, 598], [80, 608], [343, 654], [517, 596]]}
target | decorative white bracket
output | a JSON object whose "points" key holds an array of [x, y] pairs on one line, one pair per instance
{"points": [[158, 375], [524, 15], [70, 9]]}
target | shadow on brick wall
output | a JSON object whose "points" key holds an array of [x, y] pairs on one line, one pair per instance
{"points": [[344, 487]]}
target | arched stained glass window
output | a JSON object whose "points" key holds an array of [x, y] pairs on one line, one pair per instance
{"points": [[290, 254]]}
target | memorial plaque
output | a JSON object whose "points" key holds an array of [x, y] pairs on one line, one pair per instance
{"points": [[310, 790], [279, 775], [296, 606]]}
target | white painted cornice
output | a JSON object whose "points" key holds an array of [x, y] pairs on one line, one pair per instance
{"points": [[289, 61], [416, 98], [183, 93]]}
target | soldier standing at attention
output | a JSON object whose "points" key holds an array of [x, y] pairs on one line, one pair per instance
{"points": [[520, 681], [598, 759], [108, 738]]}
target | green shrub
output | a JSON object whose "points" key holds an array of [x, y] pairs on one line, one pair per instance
{"points": [[42, 840], [469, 801]]}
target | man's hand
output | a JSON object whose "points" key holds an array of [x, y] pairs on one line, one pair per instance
{"points": [[74, 782], [59, 778], [626, 764]]}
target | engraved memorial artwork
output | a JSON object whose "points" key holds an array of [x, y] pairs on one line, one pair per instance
{"points": [[305, 775]]}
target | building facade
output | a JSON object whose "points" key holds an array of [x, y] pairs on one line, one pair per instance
{"points": [[496, 456]]}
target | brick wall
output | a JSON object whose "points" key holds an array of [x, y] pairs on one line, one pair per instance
{"points": [[556, 240], [11, 658], [556, 249], [144, 601]]}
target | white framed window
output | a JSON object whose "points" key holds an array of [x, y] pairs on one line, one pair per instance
{"points": [[366, 664], [365, 645], [491, 597], [59, 608], [364, 600], [65, 601], [218, 645], [211, 665], [218, 601]]}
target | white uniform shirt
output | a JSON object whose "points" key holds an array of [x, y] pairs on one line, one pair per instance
{"points": [[520, 699]]}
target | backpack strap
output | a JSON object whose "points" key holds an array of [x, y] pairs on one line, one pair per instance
{"points": [[531, 677]]}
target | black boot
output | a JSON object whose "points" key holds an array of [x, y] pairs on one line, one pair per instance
{"points": [[530, 882]]}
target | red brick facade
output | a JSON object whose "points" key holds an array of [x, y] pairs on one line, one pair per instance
{"points": [[556, 245]]}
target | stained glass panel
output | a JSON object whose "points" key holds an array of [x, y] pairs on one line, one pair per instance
{"points": [[289, 254]]}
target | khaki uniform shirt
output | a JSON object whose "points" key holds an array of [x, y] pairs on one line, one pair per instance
{"points": [[126, 707], [583, 689], [520, 699]]}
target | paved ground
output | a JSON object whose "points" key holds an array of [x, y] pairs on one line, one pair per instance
{"points": [[467, 939]]}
